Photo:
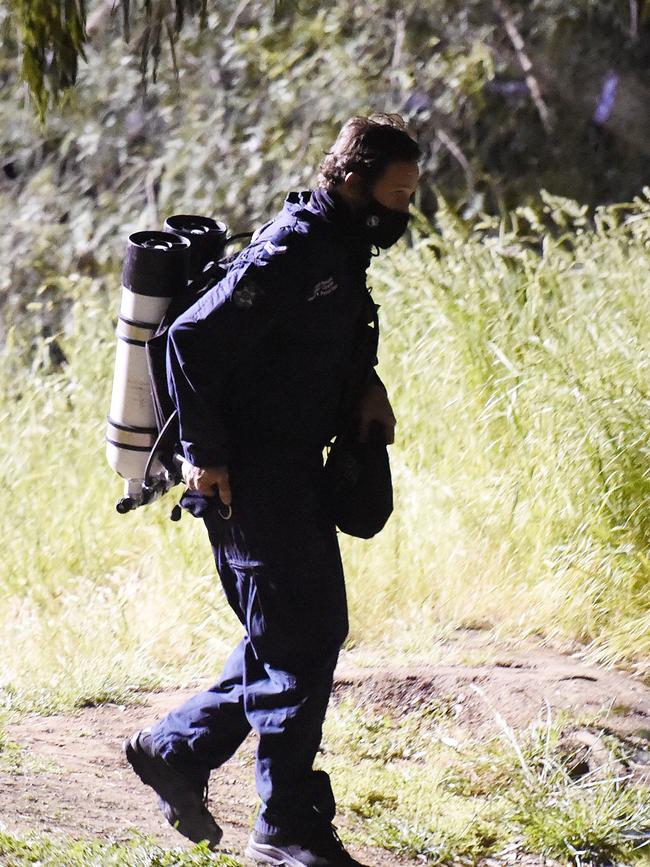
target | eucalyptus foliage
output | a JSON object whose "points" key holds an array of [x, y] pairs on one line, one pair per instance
{"points": [[52, 35], [505, 97]]}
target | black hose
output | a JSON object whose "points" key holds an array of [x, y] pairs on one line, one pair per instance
{"points": [[154, 449]]}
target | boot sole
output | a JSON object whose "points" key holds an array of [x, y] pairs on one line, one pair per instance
{"points": [[265, 855]]}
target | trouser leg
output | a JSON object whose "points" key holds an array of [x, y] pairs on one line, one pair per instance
{"points": [[287, 709], [206, 730], [279, 563], [282, 552]]}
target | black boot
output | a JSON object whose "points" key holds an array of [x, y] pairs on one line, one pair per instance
{"points": [[182, 800]]}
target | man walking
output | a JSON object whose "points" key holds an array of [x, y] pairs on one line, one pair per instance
{"points": [[258, 369]]}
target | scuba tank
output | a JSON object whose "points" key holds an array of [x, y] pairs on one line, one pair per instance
{"points": [[156, 265], [161, 272]]}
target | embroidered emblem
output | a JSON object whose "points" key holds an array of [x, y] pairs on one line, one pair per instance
{"points": [[245, 294], [325, 287]]}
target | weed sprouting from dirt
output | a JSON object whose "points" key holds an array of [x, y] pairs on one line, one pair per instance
{"points": [[11, 754]]}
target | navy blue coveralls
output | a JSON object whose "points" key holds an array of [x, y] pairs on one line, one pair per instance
{"points": [[258, 369]]}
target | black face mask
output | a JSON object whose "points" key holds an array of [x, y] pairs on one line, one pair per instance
{"points": [[381, 225]]}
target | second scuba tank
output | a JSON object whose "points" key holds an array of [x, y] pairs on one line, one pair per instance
{"points": [[207, 239]]}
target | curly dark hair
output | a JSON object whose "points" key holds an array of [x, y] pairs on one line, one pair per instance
{"points": [[367, 145]]}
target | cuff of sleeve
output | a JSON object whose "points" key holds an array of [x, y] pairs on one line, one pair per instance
{"points": [[205, 457]]}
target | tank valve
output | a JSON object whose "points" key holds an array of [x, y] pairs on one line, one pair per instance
{"points": [[176, 513], [125, 505]]}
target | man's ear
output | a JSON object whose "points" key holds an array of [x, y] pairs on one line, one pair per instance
{"points": [[354, 188], [353, 181]]}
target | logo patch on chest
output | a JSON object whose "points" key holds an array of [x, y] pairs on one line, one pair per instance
{"points": [[325, 287]]}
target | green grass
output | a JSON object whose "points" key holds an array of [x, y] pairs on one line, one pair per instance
{"points": [[141, 852], [11, 755], [403, 784], [521, 385]]}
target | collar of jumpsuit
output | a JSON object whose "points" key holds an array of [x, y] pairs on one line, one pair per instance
{"points": [[334, 210]]}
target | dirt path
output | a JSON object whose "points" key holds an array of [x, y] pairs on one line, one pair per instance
{"points": [[73, 779]]}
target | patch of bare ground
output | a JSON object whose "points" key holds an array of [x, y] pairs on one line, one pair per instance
{"points": [[73, 779]]}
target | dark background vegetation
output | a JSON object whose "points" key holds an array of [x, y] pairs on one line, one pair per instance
{"points": [[219, 108], [506, 96]]}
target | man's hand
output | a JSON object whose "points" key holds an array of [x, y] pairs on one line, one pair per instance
{"points": [[209, 481], [375, 406]]}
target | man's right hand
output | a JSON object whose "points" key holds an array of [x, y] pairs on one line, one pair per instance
{"points": [[209, 481]]}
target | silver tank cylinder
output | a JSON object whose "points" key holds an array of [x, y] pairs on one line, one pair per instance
{"points": [[156, 267]]}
